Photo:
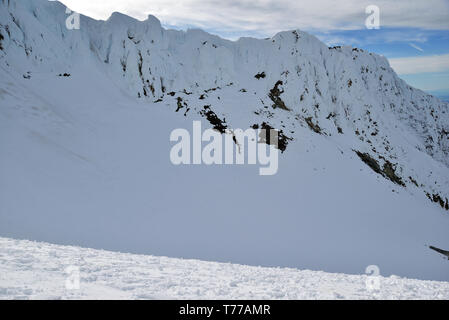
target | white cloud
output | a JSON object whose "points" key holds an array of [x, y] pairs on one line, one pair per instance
{"points": [[266, 17], [423, 64], [416, 47]]}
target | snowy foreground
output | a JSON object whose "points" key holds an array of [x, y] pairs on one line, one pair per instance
{"points": [[33, 270]]}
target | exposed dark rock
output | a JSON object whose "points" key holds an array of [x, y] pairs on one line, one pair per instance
{"points": [[315, 127], [296, 35], [261, 75], [140, 64], [152, 89], [437, 198], [211, 89], [275, 96], [390, 172], [218, 124], [179, 103], [282, 138], [123, 63], [331, 115], [413, 181], [370, 161]]}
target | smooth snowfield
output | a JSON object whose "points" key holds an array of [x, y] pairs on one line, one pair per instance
{"points": [[35, 270]]}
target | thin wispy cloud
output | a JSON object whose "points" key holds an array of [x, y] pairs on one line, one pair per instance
{"points": [[416, 47]]}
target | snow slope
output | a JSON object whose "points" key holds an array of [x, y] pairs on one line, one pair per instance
{"points": [[35, 270], [85, 157]]}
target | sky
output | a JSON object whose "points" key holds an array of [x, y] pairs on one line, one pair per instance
{"points": [[412, 34]]}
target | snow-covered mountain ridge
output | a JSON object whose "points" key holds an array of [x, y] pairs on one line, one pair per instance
{"points": [[85, 117], [293, 80], [35, 270]]}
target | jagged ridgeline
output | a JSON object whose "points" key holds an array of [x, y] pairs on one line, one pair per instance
{"points": [[286, 82]]}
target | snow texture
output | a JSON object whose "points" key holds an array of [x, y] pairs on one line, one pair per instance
{"points": [[35, 270]]}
